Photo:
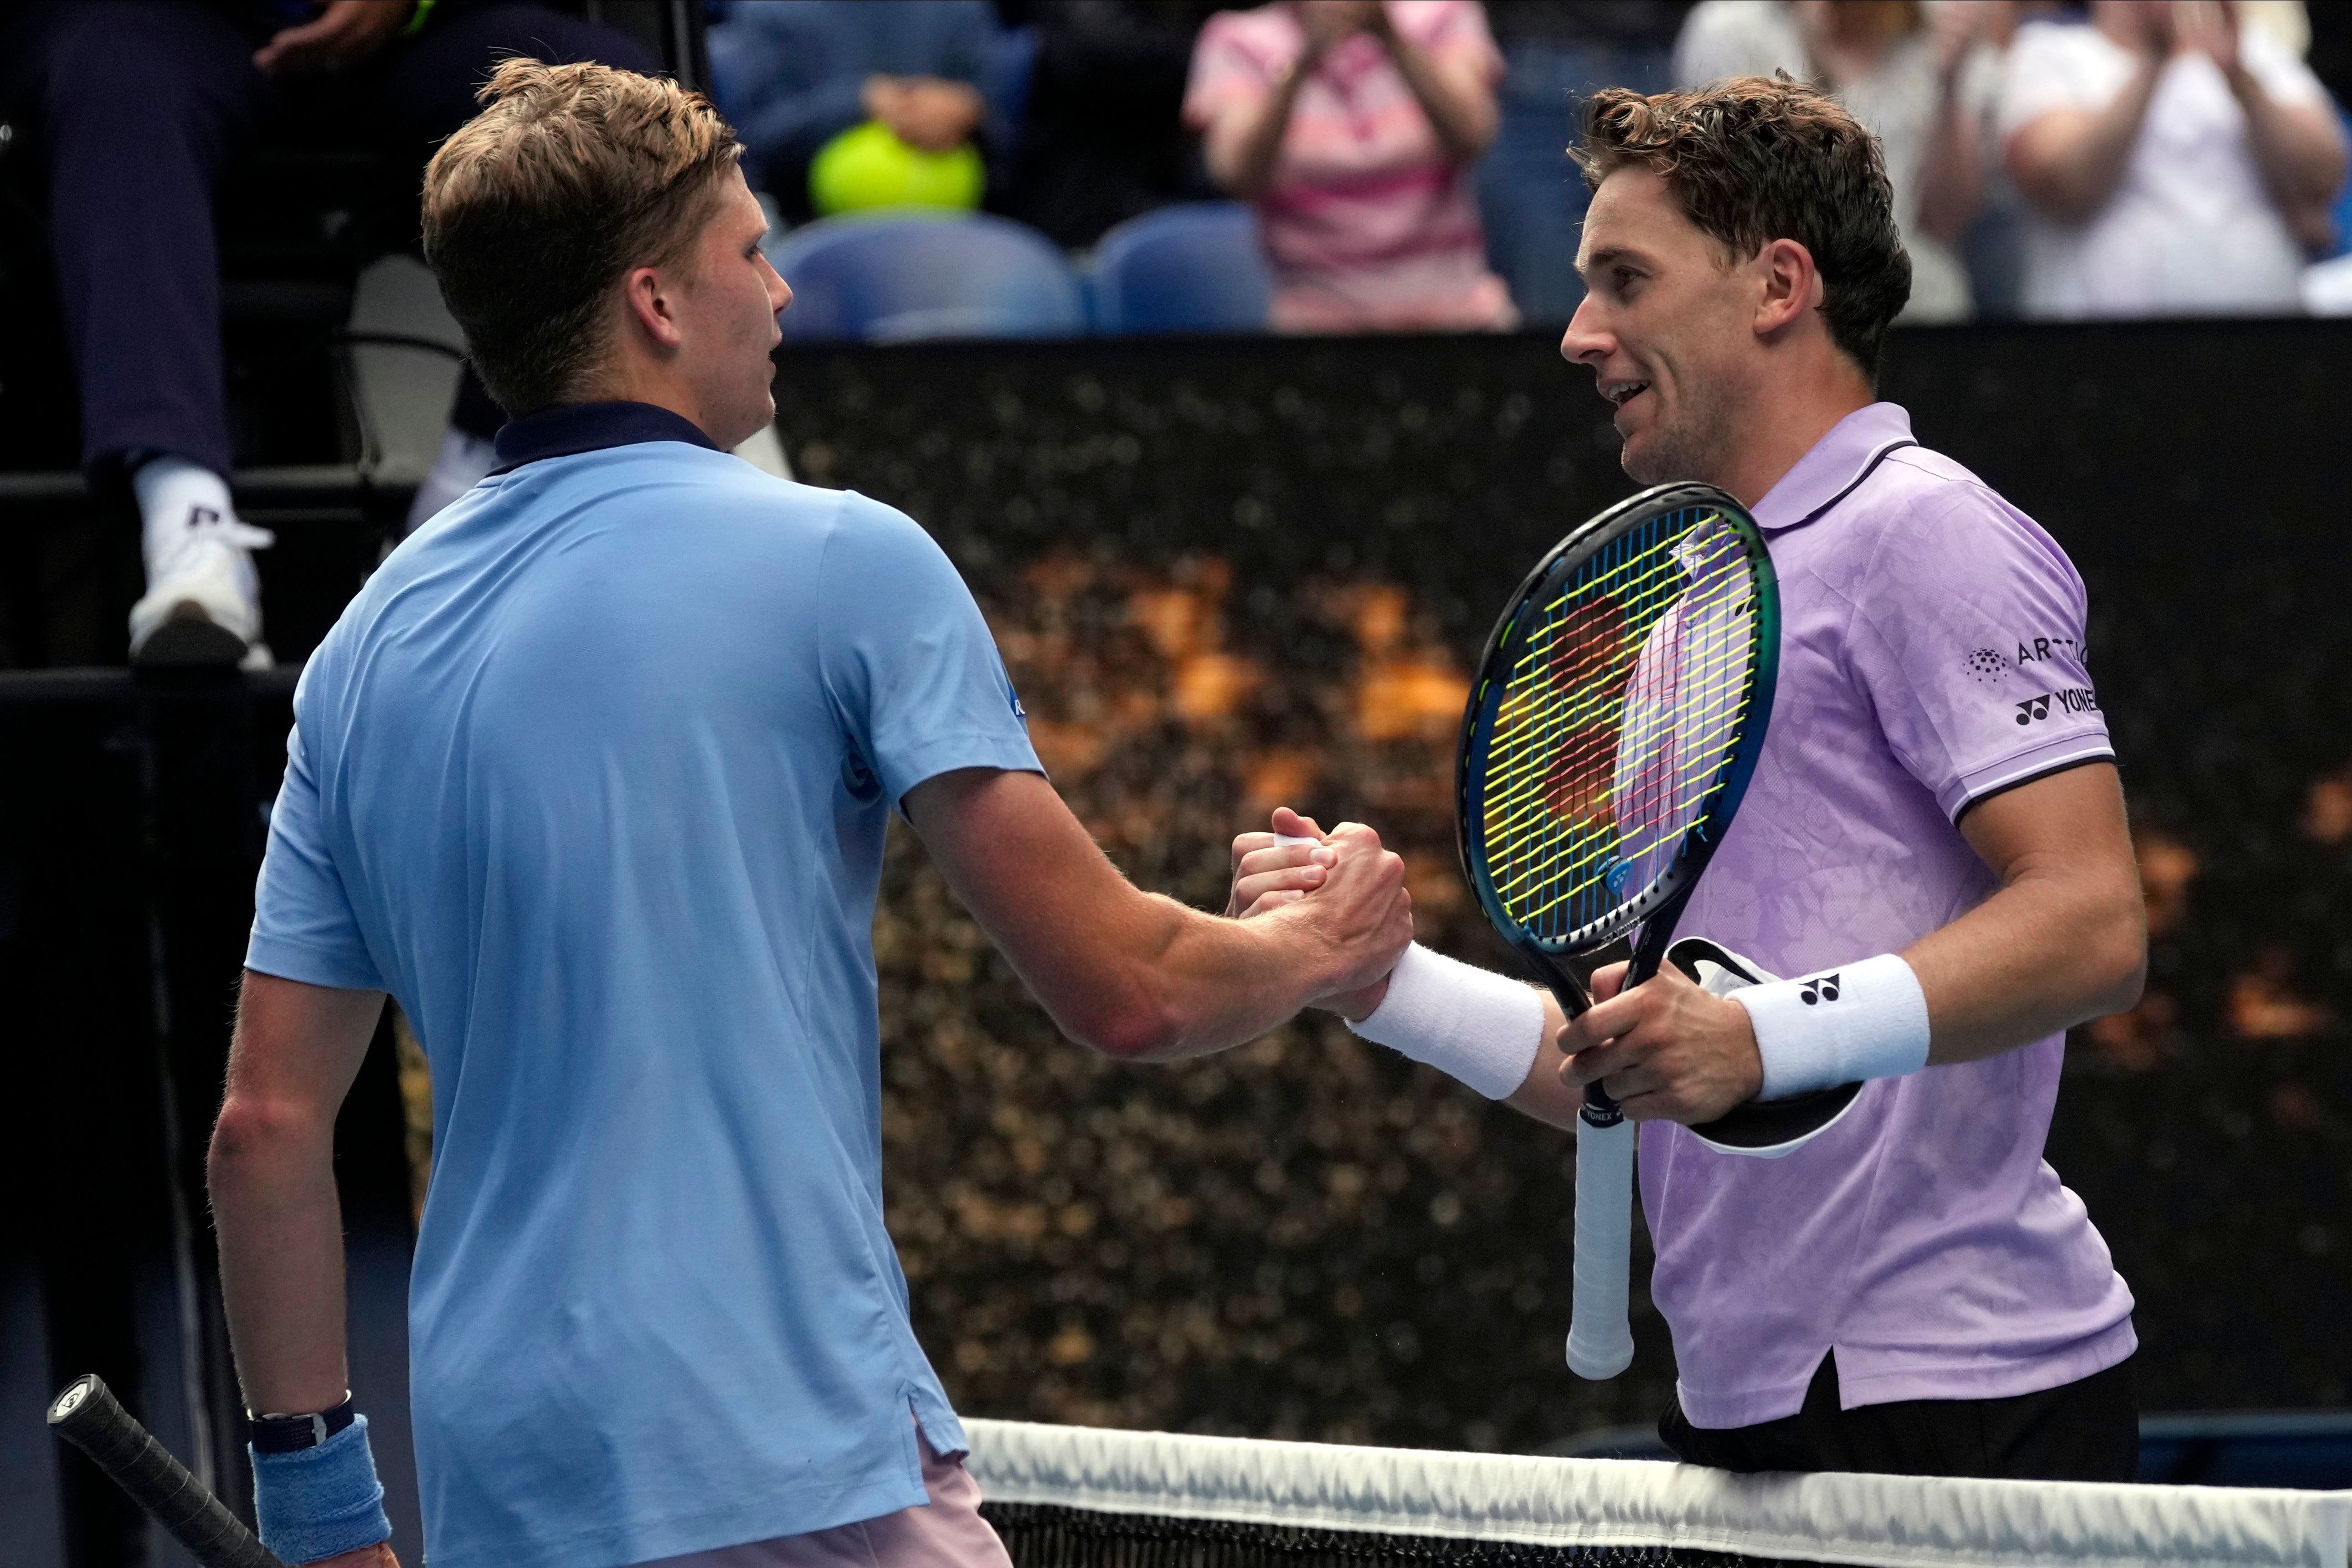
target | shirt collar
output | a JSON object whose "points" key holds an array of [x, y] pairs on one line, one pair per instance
{"points": [[1837, 463], [574, 427]]}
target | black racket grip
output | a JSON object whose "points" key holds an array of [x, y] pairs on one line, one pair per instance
{"points": [[87, 1416]]}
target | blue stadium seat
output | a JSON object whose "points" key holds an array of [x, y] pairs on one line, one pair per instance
{"points": [[894, 277], [1195, 267], [2302, 1448]]}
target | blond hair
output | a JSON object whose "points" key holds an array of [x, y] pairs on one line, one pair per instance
{"points": [[570, 177]]}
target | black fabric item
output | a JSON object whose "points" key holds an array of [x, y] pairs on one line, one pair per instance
{"points": [[136, 107], [2082, 1431], [153, 98], [1103, 138], [292, 1434], [429, 81], [575, 427], [1618, 24]]}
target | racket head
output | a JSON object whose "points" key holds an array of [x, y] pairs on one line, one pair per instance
{"points": [[1616, 720]]}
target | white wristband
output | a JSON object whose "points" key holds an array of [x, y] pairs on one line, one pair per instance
{"points": [[1866, 1020], [1468, 1023]]}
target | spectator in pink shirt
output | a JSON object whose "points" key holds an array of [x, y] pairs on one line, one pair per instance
{"points": [[1352, 126]]}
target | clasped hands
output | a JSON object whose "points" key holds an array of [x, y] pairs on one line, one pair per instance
{"points": [[1665, 1051]]}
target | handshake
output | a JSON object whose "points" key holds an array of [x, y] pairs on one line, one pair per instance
{"points": [[1667, 1049], [1344, 888]]}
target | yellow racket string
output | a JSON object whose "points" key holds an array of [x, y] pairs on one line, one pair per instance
{"points": [[1596, 842], [1514, 787], [1509, 794], [1655, 568], [1526, 790], [1561, 811]]}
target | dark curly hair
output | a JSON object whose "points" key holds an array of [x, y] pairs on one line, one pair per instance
{"points": [[1754, 159]]}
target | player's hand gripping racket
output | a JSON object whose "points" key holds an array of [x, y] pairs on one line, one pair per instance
{"points": [[1615, 722], [89, 1418]]}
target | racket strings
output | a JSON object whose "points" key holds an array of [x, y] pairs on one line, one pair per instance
{"points": [[1542, 751], [1659, 570], [1649, 813], [1618, 719]]}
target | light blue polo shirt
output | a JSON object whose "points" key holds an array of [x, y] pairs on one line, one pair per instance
{"points": [[593, 777]]}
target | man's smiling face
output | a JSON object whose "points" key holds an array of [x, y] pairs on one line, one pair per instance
{"points": [[1668, 327]]}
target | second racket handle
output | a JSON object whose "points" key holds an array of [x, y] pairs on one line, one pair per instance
{"points": [[1600, 1330]]}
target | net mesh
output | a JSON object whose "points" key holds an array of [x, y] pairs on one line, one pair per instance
{"points": [[1618, 717], [1074, 1498]]}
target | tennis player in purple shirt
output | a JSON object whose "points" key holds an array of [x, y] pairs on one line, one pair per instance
{"points": [[1934, 847]]}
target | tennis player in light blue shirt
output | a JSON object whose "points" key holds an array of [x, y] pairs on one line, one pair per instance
{"points": [[594, 777]]}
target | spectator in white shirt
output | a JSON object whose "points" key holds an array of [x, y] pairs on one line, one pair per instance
{"points": [[1909, 72], [2172, 163]]}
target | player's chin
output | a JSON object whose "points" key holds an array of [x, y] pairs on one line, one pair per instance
{"points": [[1641, 456]]}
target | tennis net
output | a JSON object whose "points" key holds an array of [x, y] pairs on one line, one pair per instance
{"points": [[1064, 1496]]}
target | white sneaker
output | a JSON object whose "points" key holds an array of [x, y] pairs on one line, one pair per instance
{"points": [[205, 606], [204, 600]]}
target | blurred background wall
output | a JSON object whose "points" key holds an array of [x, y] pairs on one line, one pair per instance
{"points": [[1233, 573]]}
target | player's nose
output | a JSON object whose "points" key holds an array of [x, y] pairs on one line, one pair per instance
{"points": [[1586, 342]]}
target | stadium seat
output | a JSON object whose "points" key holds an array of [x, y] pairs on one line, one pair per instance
{"points": [[893, 277], [1189, 268], [2302, 1448]]}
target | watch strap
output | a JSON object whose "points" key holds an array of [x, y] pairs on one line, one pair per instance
{"points": [[291, 1434]]}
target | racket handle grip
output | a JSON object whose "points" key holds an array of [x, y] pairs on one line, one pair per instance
{"points": [[87, 1416], [1600, 1332]]}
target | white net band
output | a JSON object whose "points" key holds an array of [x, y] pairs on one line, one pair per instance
{"points": [[1894, 1520]]}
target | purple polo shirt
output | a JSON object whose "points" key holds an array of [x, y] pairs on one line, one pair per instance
{"points": [[1931, 654]]}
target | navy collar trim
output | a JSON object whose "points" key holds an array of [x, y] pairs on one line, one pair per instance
{"points": [[576, 428], [1869, 467]]}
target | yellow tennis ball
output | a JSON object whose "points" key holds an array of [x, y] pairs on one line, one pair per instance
{"points": [[867, 166]]}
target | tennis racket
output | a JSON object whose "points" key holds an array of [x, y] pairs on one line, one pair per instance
{"points": [[1614, 723], [87, 1416]]}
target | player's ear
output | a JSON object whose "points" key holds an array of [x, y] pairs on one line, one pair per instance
{"points": [[646, 294], [1790, 285]]}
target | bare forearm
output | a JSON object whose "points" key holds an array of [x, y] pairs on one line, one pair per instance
{"points": [[2069, 162], [1134, 975], [2300, 152], [1211, 984], [1951, 185], [281, 1257], [1462, 112], [1543, 1096], [2043, 955], [1241, 155], [296, 1050]]}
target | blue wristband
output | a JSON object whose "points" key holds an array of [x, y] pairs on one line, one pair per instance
{"points": [[316, 1502]]}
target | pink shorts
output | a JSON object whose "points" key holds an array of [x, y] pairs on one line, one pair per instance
{"points": [[948, 1533]]}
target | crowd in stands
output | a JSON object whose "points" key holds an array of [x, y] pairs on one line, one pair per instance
{"points": [[1304, 165], [1406, 160]]}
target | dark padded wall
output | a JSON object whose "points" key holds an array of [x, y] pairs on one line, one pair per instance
{"points": [[1329, 1243], [1226, 574]]}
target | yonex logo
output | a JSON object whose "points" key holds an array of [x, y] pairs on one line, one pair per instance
{"points": [[1821, 988], [2070, 700]]}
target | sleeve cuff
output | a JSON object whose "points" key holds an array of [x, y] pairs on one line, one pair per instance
{"points": [[290, 959], [903, 771], [1990, 778]]}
